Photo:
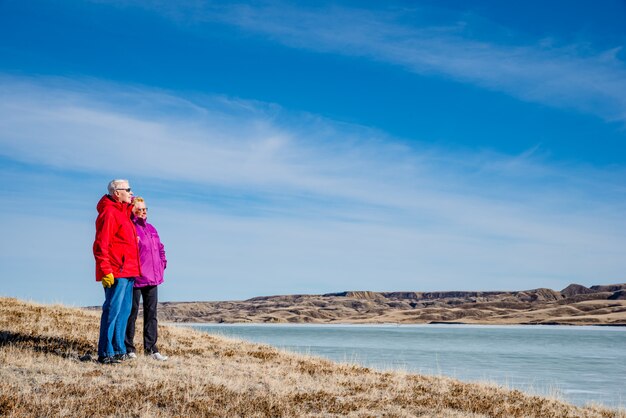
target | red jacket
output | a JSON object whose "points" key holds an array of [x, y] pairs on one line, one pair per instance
{"points": [[115, 247]]}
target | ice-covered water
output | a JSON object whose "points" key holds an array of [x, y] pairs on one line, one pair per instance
{"points": [[578, 364]]}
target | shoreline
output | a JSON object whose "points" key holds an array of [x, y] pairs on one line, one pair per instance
{"points": [[621, 327], [358, 344]]}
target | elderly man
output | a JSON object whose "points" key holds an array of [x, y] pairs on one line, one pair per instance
{"points": [[117, 265]]}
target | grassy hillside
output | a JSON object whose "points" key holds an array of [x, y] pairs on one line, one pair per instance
{"points": [[41, 374]]}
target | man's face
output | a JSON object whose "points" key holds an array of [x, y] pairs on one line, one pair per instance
{"points": [[123, 193], [140, 210]]}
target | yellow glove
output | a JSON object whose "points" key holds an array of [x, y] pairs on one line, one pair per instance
{"points": [[108, 280]]}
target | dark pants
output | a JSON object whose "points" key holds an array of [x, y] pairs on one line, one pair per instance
{"points": [[149, 294]]}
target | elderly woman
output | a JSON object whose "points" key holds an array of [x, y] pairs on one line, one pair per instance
{"points": [[153, 262]]}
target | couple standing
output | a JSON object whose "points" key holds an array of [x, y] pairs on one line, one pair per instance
{"points": [[130, 261]]}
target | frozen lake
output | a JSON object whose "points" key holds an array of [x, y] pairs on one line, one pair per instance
{"points": [[578, 364]]}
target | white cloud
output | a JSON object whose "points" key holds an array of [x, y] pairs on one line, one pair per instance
{"points": [[303, 203], [568, 76]]}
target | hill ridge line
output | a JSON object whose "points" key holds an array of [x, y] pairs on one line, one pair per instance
{"points": [[574, 305]]}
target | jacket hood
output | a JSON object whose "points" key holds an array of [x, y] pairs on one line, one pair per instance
{"points": [[139, 221], [108, 202]]}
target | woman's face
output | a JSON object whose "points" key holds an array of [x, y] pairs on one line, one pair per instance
{"points": [[140, 210]]}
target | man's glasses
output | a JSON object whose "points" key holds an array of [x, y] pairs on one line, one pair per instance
{"points": [[127, 190]]}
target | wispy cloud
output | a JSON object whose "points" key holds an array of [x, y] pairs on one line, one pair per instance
{"points": [[563, 76], [274, 195]]}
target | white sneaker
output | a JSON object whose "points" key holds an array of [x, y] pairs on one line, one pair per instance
{"points": [[158, 356], [131, 356]]}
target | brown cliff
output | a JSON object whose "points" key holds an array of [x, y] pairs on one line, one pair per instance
{"points": [[574, 305]]}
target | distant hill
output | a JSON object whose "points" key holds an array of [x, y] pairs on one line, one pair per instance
{"points": [[574, 305]]}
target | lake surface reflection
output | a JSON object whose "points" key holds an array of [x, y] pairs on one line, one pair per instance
{"points": [[577, 364]]}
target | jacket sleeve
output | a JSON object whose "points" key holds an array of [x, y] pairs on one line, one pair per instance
{"points": [[162, 253], [104, 226]]}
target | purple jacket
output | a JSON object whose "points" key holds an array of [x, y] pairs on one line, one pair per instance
{"points": [[151, 254]]}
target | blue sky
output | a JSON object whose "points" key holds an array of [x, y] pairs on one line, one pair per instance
{"points": [[316, 147]]}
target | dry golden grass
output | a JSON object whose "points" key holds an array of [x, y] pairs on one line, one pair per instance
{"points": [[213, 376]]}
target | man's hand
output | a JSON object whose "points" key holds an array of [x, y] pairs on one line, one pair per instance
{"points": [[108, 280]]}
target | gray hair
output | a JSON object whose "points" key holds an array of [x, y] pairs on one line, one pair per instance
{"points": [[114, 184]]}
